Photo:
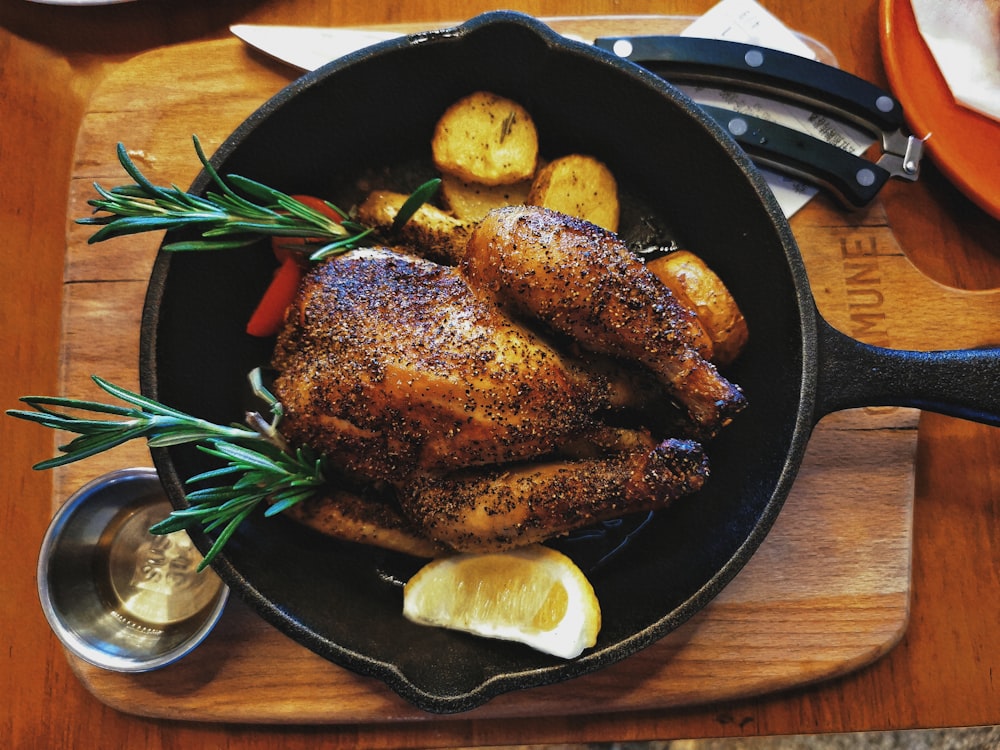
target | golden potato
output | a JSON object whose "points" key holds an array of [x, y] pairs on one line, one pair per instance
{"points": [[697, 286], [580, 186], [471, 201], [487, 139]]}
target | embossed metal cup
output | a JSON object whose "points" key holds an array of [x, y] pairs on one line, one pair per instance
{"points": [[117, 596]]}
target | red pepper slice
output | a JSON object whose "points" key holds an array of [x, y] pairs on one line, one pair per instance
{"points": [[270, 313]]}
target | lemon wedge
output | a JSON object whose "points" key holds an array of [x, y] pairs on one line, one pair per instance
{"points": [[533, 595]]}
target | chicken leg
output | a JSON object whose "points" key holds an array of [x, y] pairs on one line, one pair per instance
{"points": [[509, 506], [581, 281]]}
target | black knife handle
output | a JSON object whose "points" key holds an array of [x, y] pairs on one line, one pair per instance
{"points": [[856, 181], [767, 71]]}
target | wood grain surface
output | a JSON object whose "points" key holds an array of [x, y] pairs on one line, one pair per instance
{"points": [[827, 593], [942, 670]]}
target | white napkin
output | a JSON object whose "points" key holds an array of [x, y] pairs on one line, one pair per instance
{"points": [[964, 39], [747, 21]]}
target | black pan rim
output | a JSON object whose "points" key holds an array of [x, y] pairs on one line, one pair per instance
{"points": [[388, 672]]}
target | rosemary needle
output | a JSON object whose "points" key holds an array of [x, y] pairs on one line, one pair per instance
{"points": [[226, 218], [258, 467]]}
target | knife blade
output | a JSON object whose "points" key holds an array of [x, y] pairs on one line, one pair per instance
{"points": [[854, 180], [308, 47]]}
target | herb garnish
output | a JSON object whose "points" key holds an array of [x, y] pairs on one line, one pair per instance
{"points": [[259, 464], [225, 218]]}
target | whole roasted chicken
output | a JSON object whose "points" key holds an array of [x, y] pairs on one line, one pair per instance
{"points": [[492, 404]]}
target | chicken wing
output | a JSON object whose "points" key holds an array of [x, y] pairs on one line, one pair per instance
{"points": [[439, 236], [580, 280]]}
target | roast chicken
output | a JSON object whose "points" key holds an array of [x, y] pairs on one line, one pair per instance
{"points": [[492, 404]]}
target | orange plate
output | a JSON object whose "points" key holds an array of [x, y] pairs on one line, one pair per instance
{"points": [[963, 143]]}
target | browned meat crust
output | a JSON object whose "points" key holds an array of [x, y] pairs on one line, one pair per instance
{"points": [[374, 520], [582, 281], [514, 505], [434, 382], [391, 364]]}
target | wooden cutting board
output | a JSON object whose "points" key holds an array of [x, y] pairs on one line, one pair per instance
{"points": [[827, 592]]}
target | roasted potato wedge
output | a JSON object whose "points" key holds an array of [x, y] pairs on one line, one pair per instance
{"points": [[487, 139], [578, 185], [471, 201], [698, 287]]}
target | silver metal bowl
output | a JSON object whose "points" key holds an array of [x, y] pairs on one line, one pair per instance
{"points": [[117, 596]]}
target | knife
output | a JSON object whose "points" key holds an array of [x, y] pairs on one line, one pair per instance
{"points": [[308, 47], [787, 77], [853, 179]]}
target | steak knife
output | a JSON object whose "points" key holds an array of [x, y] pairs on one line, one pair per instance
{"points": [[786, 77]]}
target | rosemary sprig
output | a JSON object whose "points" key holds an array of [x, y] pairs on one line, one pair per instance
{"points": [[259, 464], [253, 476], [225, 218]]}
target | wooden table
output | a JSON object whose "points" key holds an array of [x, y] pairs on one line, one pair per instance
{"points": [[943, 671]]}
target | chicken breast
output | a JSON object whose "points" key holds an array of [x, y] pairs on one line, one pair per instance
{"points": [[391, 364]]}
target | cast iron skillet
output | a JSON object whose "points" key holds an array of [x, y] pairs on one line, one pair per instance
{"points": [[378, 107]]}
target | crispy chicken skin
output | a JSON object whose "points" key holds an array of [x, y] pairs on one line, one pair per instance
{"points": [[365, 518], [514, 505], [438, 385], [580, 280], [391, 364]]}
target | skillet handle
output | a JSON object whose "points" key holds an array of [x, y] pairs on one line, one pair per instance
{"points": [[964, 383]]}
